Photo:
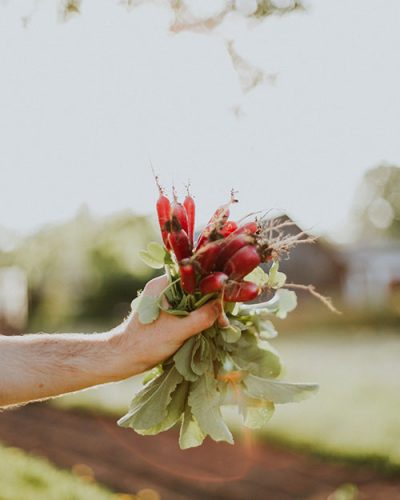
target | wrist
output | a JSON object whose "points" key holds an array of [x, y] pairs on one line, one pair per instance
{"points": [[122, 354]]}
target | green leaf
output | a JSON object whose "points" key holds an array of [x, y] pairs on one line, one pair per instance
{"points": [[276, 391], [156, 251], [276, 279], [204, 400], [150, 405], [257, 276], [204, 300], [211, 332], [264, 327], [232, 308], [183, 360], [150, 375], [287, 302], [267, 330], [147, 309], [201, 356], [282, 302], [135, 303], [231, 333], [149, 260], [190, 434], [154, 256], [256, 356], [174, 411], [193, 358], [256, 412]]}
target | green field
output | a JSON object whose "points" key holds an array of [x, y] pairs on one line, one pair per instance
{"points": [[354, 415], [356, 412], [23, 477]]}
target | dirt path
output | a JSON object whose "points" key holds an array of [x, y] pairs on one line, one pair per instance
{"points": [[127, 462]]}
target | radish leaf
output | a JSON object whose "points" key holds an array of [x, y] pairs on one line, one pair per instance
{"points": [[150, 405], [276, 391], [147, 309], [190, 434], [204, 400]]}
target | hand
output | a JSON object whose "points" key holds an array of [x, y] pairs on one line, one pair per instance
{"points": [[142, 347]]}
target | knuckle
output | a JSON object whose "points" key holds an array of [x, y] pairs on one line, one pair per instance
{"points": [[207, 315]]}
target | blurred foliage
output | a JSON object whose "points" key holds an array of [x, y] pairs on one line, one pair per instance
{"points": [[376, 211], [345, 492], [86, 270], [30, 478], [186, 16]]}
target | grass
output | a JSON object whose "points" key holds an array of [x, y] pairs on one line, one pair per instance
{"points": [[26, 477], [355, 415]]}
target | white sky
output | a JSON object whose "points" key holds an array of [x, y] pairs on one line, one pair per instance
{"points": [[85, 104]]}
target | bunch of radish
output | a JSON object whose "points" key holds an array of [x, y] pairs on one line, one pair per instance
{"points": [[232, 362], [222, 256]]}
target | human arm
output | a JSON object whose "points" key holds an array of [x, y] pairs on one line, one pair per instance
{"points": [[39, 366]]}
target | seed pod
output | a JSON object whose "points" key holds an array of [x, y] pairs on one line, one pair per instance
{"points": [[212, 283], [188, 277], [180, 244], [242, 262], [241, 292], [230, 246], [207, 256], [163, 207], [190, 208]]}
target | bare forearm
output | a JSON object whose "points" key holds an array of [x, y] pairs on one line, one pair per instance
{"points": [[34, 367]]}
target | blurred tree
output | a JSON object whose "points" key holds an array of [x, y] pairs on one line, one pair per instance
{"points": [[376, 211], [200, 15], [84, 270]]}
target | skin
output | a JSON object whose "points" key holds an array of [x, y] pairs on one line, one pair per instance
{"points": [[40, 366]]}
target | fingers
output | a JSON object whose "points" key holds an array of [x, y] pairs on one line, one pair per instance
{"points": [[198, 320], [223, 320]]}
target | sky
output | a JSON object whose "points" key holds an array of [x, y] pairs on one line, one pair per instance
{"points": [[87, 104]]}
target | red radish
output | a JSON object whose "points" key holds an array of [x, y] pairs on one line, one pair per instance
{"points": [[163, 207], [180, 243], [188, 277], [207, 256], [179, 213], [212, 283], [220, 216], [230, 246], [248, 228], [241, 292], [229, 227], [202, 239], [242, 262], [190, 208]]}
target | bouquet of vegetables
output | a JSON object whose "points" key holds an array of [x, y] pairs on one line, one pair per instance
{"points": [[233, 362]]}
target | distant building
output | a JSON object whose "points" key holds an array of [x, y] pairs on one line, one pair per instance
{"points": [[320, 263], [373, 275], [13, 300]]}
